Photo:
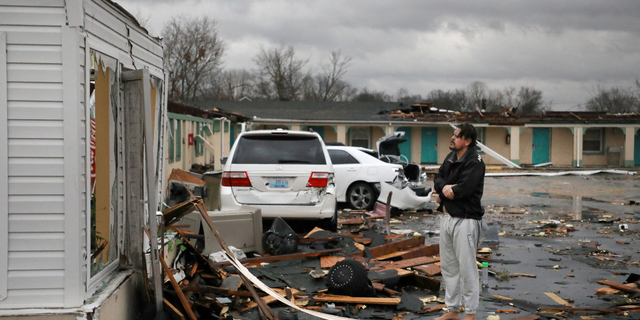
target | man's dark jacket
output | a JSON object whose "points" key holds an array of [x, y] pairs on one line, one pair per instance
{"points": [[467, 173]]}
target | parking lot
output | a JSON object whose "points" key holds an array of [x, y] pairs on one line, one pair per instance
{"points": [[531, 215]]}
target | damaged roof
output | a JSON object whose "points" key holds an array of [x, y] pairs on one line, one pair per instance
{"points": [[181, 108], [393, 111]]}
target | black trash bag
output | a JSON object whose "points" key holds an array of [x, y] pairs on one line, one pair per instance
{"points": [[349, 278], [280, 239]]}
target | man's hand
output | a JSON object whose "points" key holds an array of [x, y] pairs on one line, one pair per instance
{"points": [[447, 191]]}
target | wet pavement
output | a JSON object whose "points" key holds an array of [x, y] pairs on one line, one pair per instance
{"points": [[545, 223]]}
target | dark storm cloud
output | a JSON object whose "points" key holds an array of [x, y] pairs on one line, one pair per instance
{"points": [[561, 46]]}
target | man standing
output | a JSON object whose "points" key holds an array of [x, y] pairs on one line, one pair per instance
{"points": [[459, 184]]}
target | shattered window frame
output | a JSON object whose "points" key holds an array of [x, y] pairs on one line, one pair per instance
{"points": [[591, 137]]}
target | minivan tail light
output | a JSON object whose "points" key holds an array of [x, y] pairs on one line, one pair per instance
{"points": [[235, 179], [318, 179]]}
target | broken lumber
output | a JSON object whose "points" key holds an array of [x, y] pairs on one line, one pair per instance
{"points": [[525, 275], [557, 299], [430, 270], [421, 281], [171, 310], [420, 251], [284, 257], [330, 261], [216, 290], [176, 287], [401, 264], [357, 300], [269, 299], [433, 309], [392, 247], [619, 286]]}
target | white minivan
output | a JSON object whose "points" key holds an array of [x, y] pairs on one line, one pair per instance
{"points": [[286, 174]]}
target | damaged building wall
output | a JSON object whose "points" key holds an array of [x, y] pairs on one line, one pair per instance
{"points": [[48, 85], [561, 143]]}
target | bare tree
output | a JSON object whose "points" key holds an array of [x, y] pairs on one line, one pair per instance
{"points": [[372, 96], [614, 100], [477, 93], [530, 101], [450, 100], [495, 100], [194, 54], [279, 74], [510, 96]]}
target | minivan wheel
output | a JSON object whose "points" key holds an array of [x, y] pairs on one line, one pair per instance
{"points": [[361, 196]]}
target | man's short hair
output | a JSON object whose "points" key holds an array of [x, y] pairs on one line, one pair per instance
{"points": [[467, 131]]}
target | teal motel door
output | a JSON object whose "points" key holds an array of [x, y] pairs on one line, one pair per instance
{"points": [[318, 129], [429, 148], [540, 149], [636, 150], [405, 147]]}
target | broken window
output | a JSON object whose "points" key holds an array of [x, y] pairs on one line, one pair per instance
{"points": [[105, 129], [360, 137], [593, 140]]}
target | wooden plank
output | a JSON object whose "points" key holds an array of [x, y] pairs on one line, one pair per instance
{"points": [[433, 309], [328, 262], [421, 281], [269, 299], [392, 247], [619, 286], [357, 300], [403, 264], [216, 290], [557, 299], [419, 251], [173, 312], [176, 287], [284, 257], [430, 270]]}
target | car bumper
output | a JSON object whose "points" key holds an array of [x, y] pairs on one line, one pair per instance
{"points": [[322, 210]]}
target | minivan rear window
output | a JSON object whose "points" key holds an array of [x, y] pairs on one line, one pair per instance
{"points": [[279, 149]]}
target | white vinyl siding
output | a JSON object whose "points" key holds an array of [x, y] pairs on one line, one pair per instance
{"points": [[4, 171], [108, 34], [35, 150]]}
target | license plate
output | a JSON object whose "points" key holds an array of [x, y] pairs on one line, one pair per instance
{"points": [[278, 183]]}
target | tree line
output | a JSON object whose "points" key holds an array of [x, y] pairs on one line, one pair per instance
{"points": [[194, 58]]}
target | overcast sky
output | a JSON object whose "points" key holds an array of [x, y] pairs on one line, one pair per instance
{"points": [[563, 48]]}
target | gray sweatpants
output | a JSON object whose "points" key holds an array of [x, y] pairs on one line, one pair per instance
{"points": [[459, 240]]}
